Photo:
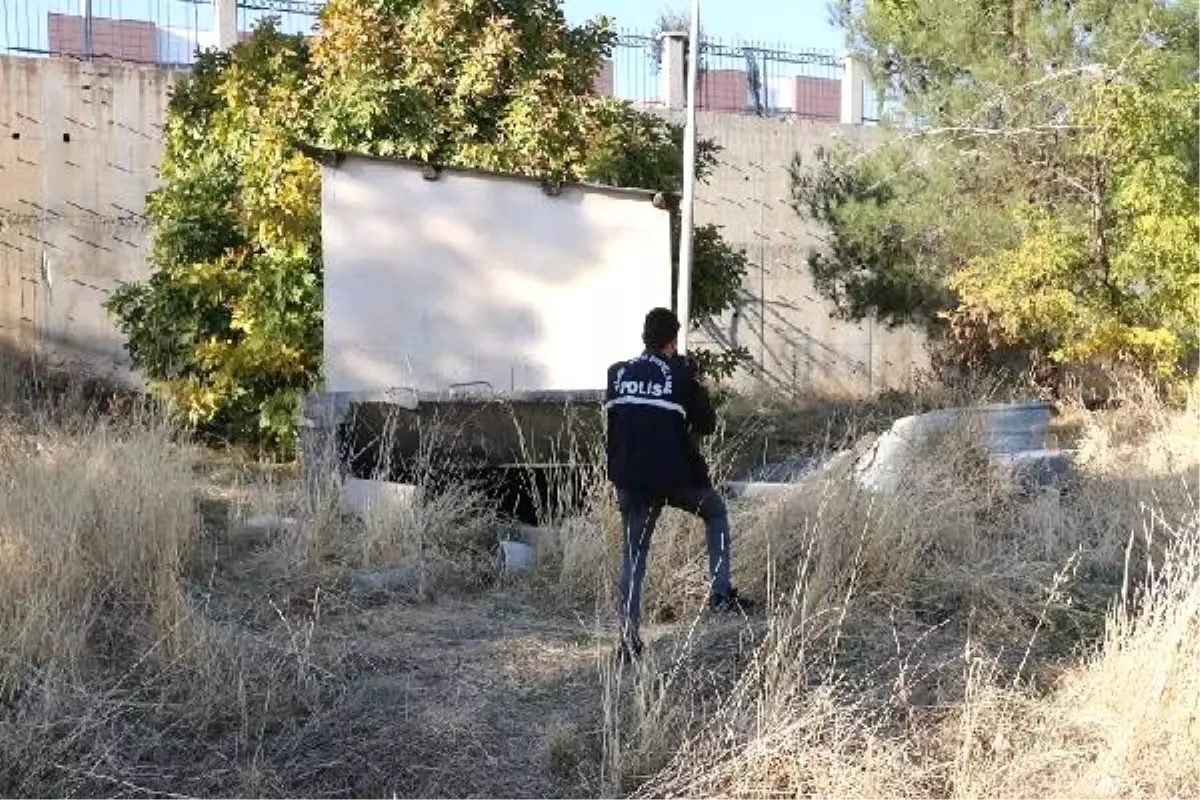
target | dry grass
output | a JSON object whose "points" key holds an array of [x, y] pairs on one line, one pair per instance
{"points": [[953, 639], [957, 640], [84, 571]]}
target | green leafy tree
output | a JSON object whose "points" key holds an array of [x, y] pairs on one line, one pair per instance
{"points": [[1114, 275], [228, 325], [1040, 194]]}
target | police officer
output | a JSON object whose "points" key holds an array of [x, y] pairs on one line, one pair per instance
{"points": [[655, 407]]}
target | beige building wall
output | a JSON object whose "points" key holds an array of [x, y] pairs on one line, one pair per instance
{"points": [[785, 324], [80, 143]]}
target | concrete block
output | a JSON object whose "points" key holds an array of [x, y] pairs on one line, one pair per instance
{"points": [[1008, 429], [516, 557], [378, 499]]}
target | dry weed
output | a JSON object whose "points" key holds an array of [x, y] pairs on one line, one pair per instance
{"points": [[98, 535], [949, 639], [988, 597]]}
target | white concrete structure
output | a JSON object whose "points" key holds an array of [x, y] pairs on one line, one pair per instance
{"points": [[672, 69], [225, 23], [852, 91], [473, 278]]}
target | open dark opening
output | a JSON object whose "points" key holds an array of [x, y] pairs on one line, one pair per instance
{"points": [[533, 494]]}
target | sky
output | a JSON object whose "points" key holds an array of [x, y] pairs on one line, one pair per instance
{"points": [[785, 24], [790, 24]]}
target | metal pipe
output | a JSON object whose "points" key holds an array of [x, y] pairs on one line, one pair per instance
{"points": [[686, 224], [86, 13]]}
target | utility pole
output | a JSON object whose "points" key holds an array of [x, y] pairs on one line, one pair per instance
{"points": [[86, 12], [684, 290]]}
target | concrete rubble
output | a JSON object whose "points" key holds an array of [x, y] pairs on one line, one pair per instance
{"points": [[515, 557], [268, 525], [516, 552], [1014, 434], [262, 529]]}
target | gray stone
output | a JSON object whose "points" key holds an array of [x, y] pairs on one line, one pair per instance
{"points": [[399, 579], [1007, 428], [516, 557], [1034, 470]]}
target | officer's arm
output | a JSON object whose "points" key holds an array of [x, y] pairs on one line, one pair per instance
{"points": [[701, 416]]}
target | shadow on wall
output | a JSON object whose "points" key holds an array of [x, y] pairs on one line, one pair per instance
{"points": [[791, 358], [100, 358], [32, 384]]}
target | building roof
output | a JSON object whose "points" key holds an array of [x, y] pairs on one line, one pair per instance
{"points": [[333, 158]]}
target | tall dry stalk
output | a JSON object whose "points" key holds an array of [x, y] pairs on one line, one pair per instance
{"points": [[97, 533]]}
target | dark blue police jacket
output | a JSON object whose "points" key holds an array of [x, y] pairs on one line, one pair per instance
{"points": [[655, 408]]}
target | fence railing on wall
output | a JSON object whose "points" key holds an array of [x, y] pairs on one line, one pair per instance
{"points": [[165, 32], [735, 76]]}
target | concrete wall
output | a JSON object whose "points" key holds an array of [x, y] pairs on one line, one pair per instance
{"points": [[79, 147], [477, 278], [783, 322]]}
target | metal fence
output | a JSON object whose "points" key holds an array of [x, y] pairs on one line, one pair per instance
{"points": [[736, 76], [166, 32]]}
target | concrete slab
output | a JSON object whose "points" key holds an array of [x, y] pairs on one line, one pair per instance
{"points": [[365, 497]]}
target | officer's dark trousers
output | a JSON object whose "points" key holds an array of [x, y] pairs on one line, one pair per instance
{"points": [[639, 515]]}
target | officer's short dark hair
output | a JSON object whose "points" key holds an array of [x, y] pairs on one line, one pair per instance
{"points": [[660, 329]]}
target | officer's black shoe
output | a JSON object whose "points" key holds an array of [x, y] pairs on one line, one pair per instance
{"points": [[629, 650], [730, 603]]}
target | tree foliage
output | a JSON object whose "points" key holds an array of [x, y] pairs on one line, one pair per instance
{"points": [[228, 325], [1041, 191]]}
